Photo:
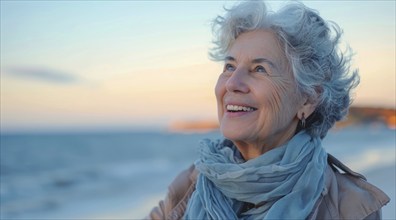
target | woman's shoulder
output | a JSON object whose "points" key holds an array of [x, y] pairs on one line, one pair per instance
{"points": [[179, 192], [181, 184], [348, 195]]}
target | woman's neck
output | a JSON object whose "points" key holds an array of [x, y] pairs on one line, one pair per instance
{"points": [[252, 149]]}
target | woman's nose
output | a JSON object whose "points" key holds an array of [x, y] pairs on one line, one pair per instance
{"points": [[237, 82]]}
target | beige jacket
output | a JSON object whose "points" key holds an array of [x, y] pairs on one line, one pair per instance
{"points": [[347, 195]]}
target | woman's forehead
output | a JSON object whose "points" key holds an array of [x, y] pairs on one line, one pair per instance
{"points": [[255, 46]]}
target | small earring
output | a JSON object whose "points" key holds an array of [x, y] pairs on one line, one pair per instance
{"points": [[303, 120]]}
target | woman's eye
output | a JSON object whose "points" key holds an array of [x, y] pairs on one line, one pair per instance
{"points": [[260, 69], [229, 67]]}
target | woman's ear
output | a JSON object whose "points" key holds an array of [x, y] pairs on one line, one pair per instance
{"points": [[306, 109]]}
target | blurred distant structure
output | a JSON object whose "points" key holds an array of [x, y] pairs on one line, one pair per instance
{"points": [[368, 116], [194, 126]]}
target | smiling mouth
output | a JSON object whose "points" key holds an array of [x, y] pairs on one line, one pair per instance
{"points": [[239, 108]]}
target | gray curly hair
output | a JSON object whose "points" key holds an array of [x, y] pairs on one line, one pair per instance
{"points": [[320, 69]]}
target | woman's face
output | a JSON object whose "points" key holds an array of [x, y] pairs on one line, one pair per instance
{"points": [[256, 94]]}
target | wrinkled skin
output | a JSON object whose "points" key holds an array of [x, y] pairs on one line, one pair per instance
{"points": [[257, 74]]}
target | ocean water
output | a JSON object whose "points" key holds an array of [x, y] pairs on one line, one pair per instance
{"points": [[122, 175]]}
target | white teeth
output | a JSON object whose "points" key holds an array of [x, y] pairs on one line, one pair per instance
{"points": [[239, 108]]}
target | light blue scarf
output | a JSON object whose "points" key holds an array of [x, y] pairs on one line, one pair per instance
{"points": [[283, 183]]}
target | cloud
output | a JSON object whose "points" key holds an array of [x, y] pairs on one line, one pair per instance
{"points": [[41, 74]]}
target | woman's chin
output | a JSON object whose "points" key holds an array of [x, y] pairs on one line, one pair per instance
{"points": [[232, 133]]}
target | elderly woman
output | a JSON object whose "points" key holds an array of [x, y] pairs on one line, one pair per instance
{"points": [[284, 85]]}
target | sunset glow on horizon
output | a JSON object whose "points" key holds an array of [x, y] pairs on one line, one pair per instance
{"points": [[109, 64]]}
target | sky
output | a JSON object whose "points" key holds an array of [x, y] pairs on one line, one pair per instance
{"points": [[122, 64]]}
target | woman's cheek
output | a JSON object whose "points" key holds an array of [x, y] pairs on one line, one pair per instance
{"points": [[220, 85], [281, 102], [219, 93]]}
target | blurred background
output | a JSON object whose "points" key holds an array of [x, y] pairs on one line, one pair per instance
{"points": [[104, 102]]}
